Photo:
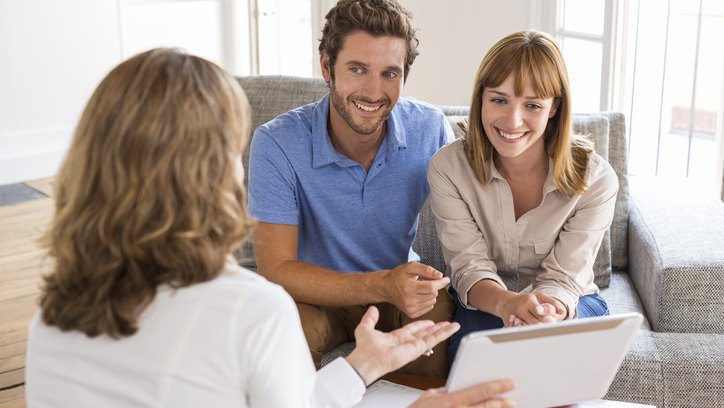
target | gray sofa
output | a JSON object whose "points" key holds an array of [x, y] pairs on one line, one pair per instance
{"points": [[663, 257]]}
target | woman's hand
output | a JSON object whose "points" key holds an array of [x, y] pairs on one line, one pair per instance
{"points": [[481, 395], [378, 353], [532, 308]]}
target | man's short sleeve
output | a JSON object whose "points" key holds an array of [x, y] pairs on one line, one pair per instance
{"points": [[272, 185], [447, 134]]}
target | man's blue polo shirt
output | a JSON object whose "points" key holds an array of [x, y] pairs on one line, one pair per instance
{"points": [[348, 219]]}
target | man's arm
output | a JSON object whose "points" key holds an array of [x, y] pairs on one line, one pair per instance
{"points": [[411, 287]]}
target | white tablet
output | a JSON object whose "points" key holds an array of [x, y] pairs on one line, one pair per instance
{"points": [[551, 364]]}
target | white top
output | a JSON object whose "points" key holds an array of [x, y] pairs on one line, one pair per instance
{"points": [[235, 341], [549, 249]]}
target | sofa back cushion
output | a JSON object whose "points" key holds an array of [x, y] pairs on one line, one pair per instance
{"points": [[608, 132], [270, 96]]}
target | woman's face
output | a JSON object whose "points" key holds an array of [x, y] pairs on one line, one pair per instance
{"points": [[516, 124]]}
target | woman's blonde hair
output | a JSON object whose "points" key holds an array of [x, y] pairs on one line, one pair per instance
{"points": [[531, 55], [149, 192]]}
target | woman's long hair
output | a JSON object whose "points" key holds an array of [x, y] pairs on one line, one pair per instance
{"points": [[535, 56], [149, 192]]}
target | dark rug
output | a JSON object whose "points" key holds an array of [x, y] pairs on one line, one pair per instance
{"points": [[17, 193]]}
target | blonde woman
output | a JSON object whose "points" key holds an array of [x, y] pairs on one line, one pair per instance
{"points": [[144, 307], [521, 203]]}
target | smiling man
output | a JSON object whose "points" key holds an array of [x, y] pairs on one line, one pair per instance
{"points": [[337, 186]]}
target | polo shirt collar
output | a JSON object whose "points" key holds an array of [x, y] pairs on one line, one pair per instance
{"points": [[322, 150], [323, 153], [396, 137]]}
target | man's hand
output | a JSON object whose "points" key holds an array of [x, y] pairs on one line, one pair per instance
{"points": [[377, 353], [413, 287], [482, 395], [532, 308]]}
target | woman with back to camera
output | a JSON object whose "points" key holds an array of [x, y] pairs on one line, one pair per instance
{"points": [[521, 203], [145, 306]]}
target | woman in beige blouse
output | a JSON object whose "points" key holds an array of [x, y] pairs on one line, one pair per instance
{"points": [[521, 203]]}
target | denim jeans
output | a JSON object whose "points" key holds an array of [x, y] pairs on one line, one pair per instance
{"points": [[475, 320]]}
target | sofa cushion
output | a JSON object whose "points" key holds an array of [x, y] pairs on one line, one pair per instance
{"points": [[692, 369], [608, 132], [596, 128], [676, 245], [271, 96], [426, 243], [639, 379]]}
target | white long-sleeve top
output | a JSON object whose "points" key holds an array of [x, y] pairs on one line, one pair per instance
{"points": [[235, 341]]}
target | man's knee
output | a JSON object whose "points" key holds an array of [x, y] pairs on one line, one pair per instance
{"points": [[323, 328], [315, 324]]}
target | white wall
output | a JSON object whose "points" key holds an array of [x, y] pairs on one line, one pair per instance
{"points": [[52, 55], [454, 36], [54, 52]]}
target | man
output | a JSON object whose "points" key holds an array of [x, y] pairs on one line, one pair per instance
{"points": [[337, 186]]}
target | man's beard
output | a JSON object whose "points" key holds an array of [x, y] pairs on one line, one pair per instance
{"points": [[338, 102]]}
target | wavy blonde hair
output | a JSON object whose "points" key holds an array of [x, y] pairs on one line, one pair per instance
{"points": [[535, 55], [148, 193]]}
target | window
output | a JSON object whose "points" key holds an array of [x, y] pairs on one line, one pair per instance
{"points": [[584, 31], [246, 37], [284, 43], [661, 63], [194, 25], [217, 30], [674, 98]]}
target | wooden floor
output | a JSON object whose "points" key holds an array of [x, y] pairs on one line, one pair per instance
{"points": [[22, 263]]}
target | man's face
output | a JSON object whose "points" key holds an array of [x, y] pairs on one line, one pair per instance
{"points": [[366, 83]]}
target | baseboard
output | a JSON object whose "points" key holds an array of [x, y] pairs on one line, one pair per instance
{"points": [[34, 154]]}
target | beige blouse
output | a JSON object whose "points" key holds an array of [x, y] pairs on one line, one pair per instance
{"points": [[550, 249]]}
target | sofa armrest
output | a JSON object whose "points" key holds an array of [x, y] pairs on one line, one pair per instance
{"points": [[676, 259]]}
